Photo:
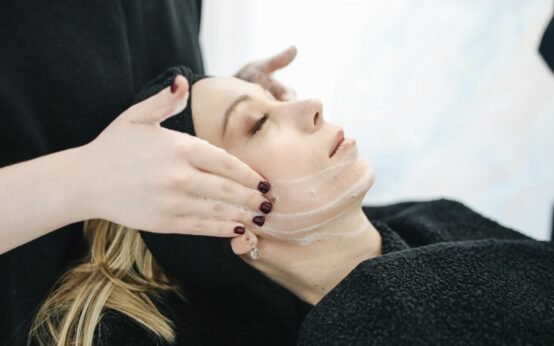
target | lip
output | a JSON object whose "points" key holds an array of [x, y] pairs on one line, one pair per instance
{"points": [[339, 137]]}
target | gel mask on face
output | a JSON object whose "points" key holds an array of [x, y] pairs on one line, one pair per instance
{"points": [[304, 206]]}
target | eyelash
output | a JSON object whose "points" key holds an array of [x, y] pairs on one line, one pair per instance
{"points": [[259, 124]]}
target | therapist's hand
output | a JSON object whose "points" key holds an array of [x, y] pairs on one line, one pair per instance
{"points": [[260, 72], [147, 177]]}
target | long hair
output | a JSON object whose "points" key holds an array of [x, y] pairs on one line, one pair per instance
{"points": [[119, 274]]}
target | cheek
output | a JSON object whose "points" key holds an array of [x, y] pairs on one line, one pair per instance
{"points": [[282, 158], [264, 158]]}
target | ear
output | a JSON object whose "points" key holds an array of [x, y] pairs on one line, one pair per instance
{"points": [[241, 245]]}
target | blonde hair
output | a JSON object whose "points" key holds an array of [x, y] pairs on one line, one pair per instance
{"points": [[120, 274]]}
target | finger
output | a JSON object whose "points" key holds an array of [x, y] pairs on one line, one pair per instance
{"points": [[223, 190], [204, 207], [277, 89], [242, 245], [162, 105], [279, 61], [203, 226], [289, 95], [209, 158]]}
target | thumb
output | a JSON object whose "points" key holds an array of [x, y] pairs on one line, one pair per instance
{"points": [[158, 107], [280, 60]]}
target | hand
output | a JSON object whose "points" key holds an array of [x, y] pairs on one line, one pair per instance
{"points": [[151, 178], [260, 72]]}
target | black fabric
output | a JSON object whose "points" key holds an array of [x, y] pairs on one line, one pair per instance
{"points": [[447, 276], [257, 313], [67, 69], [546, 48]]}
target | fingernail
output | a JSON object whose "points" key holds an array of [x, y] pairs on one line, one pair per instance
{"points": [[264, 186], [259, 220], [239, 230], [266, 207], [174, 85]]}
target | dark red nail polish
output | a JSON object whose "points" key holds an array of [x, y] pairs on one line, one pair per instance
{"points": [[239, 230], [266, 207], [174, 85], [259, 220], [264, 186]]}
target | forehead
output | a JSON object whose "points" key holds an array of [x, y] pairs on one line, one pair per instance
{"points": [[224, 89], [211, 97]]}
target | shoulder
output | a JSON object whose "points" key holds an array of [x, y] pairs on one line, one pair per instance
{"points": [[432, 221], [441, 293]]}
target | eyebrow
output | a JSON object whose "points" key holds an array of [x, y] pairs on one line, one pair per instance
{"points": [[231, 108]]}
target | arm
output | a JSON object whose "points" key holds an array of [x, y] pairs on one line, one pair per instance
{"points": [[41, 195]]}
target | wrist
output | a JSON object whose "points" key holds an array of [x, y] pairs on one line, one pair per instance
{"points": [[81, 199]]}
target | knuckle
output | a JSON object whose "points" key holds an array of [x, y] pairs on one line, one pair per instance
{"points": [[254, 200], [199, 226], [179, 181], [218, 209], [228, 189], [184, 150], [228, 164], [245, 217], [227, 212], [175, 206], [188, 225]]}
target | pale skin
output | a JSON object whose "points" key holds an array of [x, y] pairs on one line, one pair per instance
{"points": [[293, 132], [99, 179]]}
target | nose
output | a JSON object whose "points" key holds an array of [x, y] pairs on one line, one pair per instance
{"points": [[311, 115]]}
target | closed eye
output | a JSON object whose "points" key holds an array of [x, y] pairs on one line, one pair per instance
{"points": [[259, 124]]}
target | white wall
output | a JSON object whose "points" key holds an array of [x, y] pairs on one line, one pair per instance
{"points": [[444, 97]]}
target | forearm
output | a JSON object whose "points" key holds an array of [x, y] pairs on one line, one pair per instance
{"points": [[41, 195]]}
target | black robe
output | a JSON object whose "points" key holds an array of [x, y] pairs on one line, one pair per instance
{"points": [[67, 69], [447, 276]]}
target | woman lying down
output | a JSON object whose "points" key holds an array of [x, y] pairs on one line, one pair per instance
{"points": [[319, 269]]}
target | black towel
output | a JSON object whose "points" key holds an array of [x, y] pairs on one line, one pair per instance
{"points": [[447, 276]]}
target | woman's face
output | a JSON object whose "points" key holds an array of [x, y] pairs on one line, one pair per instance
{"points": [[280, 140], [283, 141]]}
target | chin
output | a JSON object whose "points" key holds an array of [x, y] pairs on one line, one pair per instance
{"points": [[368, 182], [361, 186]]}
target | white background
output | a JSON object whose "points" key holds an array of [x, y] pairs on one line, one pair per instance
{"points": [[446, 98]]}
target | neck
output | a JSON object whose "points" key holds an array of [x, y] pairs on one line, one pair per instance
{"points": [[311, 271]]}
